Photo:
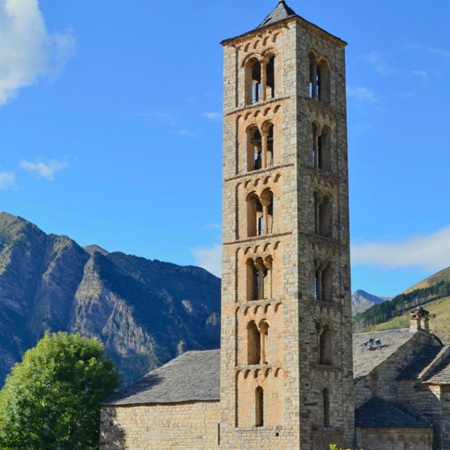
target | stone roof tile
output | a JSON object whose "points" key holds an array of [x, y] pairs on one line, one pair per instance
{"points": [[427, 357], [281, 12], [193, 376], [441, 373], [365, 359], [377, 412]]}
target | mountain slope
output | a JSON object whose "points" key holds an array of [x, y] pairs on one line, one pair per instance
{"points": [[145, 312], [362, 300], [432, 288]]}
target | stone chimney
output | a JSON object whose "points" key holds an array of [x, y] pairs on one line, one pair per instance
{"points": [[418, 320]]}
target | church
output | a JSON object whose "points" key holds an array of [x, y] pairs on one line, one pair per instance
{"points": [[289, 374]]}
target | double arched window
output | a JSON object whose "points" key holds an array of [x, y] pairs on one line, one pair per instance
{"points": [[319, 78], [321, 147], [260, 213], [260, 79], [260, 147], [259, 278]]}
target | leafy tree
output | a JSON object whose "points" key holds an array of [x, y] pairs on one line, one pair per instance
{"points": [[51, 399]]}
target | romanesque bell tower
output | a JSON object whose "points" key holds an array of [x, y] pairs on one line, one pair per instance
{"points": [[286, 361]]}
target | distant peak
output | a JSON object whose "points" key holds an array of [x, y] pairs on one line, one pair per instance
{"points": [[91, 249]]}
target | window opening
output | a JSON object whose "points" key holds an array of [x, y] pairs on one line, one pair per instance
{"points": [[254, 344], [326, 408], [264, 337], [325, 346], [259, 407], [270, 78]]}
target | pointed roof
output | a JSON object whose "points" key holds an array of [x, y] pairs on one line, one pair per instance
{"points": [[281, 12]]}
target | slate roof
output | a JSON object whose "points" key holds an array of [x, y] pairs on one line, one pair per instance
{"points": [[441, 373], [423, 362], [281, 12], [365, 360], [377, 412], [193, 376]]}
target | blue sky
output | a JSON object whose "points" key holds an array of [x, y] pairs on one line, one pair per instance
{"points": [[110, 125]]}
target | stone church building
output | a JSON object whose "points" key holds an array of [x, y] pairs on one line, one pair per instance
{"points": [[287, 375]]}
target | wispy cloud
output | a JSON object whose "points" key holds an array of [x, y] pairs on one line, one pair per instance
{"points": [[7, 180], [423, 75], [193, 134], [44, 170], [378, 60], [362, 94], [430, 252], [213, 116], [443, 53], [210, 259], [27, 50]]}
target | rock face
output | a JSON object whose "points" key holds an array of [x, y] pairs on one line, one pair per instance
{"points": [[362, 300], [145, 312]]}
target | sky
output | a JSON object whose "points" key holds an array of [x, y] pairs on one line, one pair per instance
{"points": [[110, 125]]}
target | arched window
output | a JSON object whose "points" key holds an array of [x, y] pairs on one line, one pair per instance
{"points": [[313, 80], [253, 82], [268, 146], [326, 407], [259, 279], [325, 221], [254, 149], [325, 351], [264, 338], [319, 79], [324, 147], [259, 407], [323, 281], [315, 145], [323, 82], [270, 78], [254, 215], [254, 344], [260, 214]]}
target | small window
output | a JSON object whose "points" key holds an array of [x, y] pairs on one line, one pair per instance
{"points": [[323, 282], [326, 408], [259, 407]]}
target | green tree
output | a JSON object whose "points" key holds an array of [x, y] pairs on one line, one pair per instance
{"points": [[51, 399]]}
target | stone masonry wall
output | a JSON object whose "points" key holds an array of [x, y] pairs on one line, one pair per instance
{"points": [[190, 426]]}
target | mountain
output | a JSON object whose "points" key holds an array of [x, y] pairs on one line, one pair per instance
{"points": [[145, 312], [362, 300], [433, 288]]}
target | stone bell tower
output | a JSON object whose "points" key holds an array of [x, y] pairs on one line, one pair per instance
{"points": [[286, 351]]}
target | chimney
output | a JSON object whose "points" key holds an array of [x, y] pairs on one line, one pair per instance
{"points": [[418, 320]]}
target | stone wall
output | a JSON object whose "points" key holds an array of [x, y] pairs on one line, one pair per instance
{"points": [[191, 426], [395, 438]]}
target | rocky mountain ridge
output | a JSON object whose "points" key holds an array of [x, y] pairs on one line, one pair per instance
{"points": [[144, 311]]}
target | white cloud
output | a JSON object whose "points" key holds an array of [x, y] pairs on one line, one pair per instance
{"points": [[429, 252], [362, 94], [43, 170], [213, 116], [193, 134], [210, 259], [423, 74], [378, 60], [27, 50], [7, 180]]}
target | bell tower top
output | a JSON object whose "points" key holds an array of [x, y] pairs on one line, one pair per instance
{"points": [[281, 12]]}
